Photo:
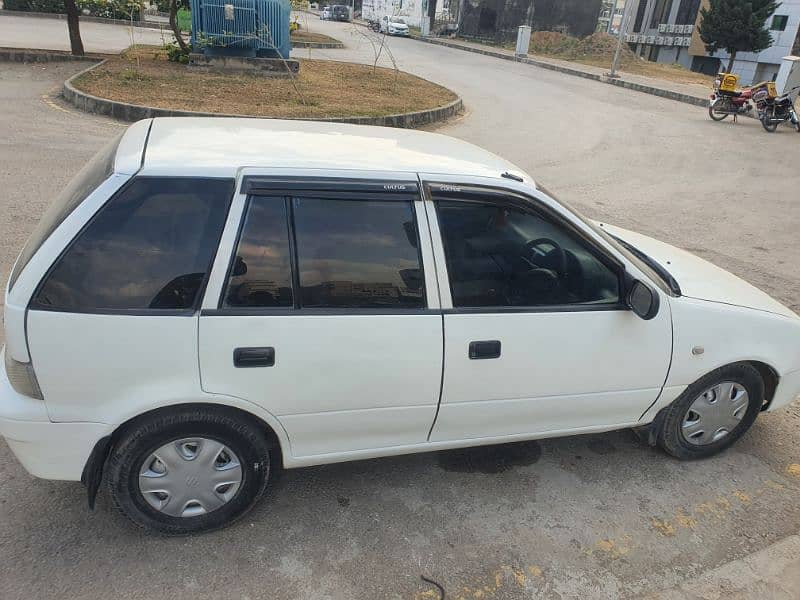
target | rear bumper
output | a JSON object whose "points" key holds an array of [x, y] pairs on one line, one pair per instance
{"points": [[788, 389], [47, 450]]}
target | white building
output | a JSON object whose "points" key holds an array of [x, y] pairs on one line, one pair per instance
{"points": [[666, 31], [410, 10]]}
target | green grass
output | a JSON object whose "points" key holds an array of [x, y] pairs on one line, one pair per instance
{"points": [[185, 19]]}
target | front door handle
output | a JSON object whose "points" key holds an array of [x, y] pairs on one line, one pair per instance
{"points": [[253, 357], [485, 349]]}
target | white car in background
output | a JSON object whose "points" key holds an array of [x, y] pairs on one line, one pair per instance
{"points": [[394, 26], [211, 298], [326, 13]]}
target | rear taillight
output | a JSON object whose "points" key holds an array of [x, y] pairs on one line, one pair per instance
{"points": [[22, 378]]}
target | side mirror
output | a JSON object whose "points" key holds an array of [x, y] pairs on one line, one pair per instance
{"points": [[642, 300]]}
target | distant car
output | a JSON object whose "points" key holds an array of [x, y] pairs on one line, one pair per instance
{"points": [[394, 26], [325, 14], [339, 12]]}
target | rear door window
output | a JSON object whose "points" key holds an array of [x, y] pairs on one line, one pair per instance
{"points": [[149, 248], [331, 253], [357, 254]]}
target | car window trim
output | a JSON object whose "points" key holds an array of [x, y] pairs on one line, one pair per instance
{"points": [[168, 312], [485, 194], [326, 192]]}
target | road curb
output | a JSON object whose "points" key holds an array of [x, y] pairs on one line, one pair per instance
{"points": [[86, 19], [26, 55], [135, 112], [630, 85], [336, 45]]}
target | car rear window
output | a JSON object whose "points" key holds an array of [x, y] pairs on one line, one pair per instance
{"points": [[87, 180], [149, 248]]}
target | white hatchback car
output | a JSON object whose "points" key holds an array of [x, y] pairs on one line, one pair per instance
{"points": [[212, 298]]}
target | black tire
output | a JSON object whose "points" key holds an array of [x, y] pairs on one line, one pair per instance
{"points": [[771, 127], [670, 435], [148, 433], [716, 116]]}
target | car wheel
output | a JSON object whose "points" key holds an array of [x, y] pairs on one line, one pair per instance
{"points": [[721, 104], [713, 412], [189, 470]]}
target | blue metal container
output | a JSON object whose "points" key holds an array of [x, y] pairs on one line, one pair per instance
{"points": [[241, 27]]}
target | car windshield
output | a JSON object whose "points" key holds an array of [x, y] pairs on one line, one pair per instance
{"points": [[655, 271], [397, 20], [88, 179]]}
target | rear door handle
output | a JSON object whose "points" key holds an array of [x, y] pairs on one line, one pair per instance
{"points": [[484, 349], [253, 357]]}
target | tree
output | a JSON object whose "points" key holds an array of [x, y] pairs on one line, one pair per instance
{"points": [[174, 6], [736, 26], [73, 25]]}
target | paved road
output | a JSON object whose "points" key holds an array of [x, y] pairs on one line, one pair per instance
{"points": [[597, 516]]}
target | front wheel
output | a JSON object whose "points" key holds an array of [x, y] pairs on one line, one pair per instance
{"points": [[189, 470], [712, 413], [717, 104]]}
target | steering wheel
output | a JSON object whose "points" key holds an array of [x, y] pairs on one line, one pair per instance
{"points": [[535, 246]]}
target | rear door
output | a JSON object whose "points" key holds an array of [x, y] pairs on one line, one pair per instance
{"points": [[323, 310]]}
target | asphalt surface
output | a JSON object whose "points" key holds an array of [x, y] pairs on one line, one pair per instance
{"points": [[595, 516]]}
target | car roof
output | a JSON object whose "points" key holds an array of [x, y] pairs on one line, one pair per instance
{"points": [[219, 147]]}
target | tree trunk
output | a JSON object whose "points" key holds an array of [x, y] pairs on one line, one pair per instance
{"points": [[173, 22], [73, 25], [730, 62], [432, 13]]}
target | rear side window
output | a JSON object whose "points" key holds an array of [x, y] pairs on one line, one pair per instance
{"points": [[150, 247], [88, 179], [327, 253], [357, 254]]}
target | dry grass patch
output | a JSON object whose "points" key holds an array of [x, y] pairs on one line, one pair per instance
{"points": [[597, 50], [327, 88], [300, 35]]}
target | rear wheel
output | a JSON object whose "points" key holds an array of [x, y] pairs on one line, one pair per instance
{"points": [[765, 122], [713, 412], [717, 105], [190, 470]]}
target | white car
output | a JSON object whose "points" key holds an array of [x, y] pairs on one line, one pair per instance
{"points": [[394, 26], [325, 14], [210, 298]]}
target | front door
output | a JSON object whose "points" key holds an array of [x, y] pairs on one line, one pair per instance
{"points": [[322, 316], [537, 340]]}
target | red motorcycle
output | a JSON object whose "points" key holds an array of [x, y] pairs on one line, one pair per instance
{"points": [[728, 102]]}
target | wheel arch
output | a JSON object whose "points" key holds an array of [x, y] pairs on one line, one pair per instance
{"points": [[95, 465]]}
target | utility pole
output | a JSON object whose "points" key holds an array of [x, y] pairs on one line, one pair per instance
{"points": [[623, 28]]}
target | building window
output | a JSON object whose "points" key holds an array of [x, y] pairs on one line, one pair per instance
{"points": [[779, 22]]}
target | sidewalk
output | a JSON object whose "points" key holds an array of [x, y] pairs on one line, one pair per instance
{"points": [[688, 93]]}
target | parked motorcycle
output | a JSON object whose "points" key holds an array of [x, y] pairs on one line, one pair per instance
{"points": [[773, 109], [727, 100], [374, 25]]}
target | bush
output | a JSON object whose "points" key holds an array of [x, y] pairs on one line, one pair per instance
{"points": [[175, 54], [109, 9], [48, 6]]}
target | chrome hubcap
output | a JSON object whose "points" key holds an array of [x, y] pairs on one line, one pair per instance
{"points": [[190, 477], [715, 413]]}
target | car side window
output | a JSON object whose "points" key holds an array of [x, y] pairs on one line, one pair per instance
{"points": [[149, 247], [261, 274], [328, 253], [358, 253], [499, 255]]}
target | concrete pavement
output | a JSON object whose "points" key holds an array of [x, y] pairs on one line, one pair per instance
{"points": [[593, 516]]}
